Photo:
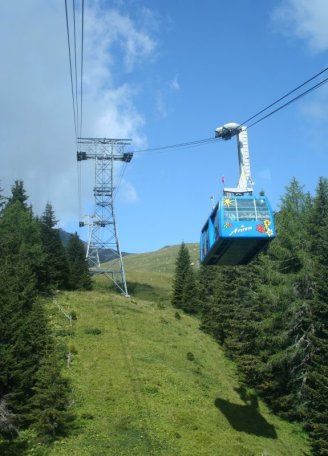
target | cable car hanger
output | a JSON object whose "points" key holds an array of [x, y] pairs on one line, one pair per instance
{"points": [[240, 224], [245, 183]]}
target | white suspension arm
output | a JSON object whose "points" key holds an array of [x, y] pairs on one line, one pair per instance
{"points": [[245, 183]]}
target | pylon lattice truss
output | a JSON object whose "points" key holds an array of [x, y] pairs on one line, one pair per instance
{"points": [[103, 252]]}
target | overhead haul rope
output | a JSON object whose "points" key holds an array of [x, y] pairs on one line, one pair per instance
{"points": [[77, 104], [317, 86], [81, 76], [285, 96], [71, 72], [81, 113], [201, 142], [75, 65], [119, 180]]}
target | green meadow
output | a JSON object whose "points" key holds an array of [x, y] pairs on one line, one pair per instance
{"points": [[147, 381]]}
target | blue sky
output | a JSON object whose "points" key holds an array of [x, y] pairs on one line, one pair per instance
{"points": [[162, 72]]}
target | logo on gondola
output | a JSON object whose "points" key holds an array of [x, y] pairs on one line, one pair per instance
{"points": [[264, 229], [228, 202], [242, 229]]}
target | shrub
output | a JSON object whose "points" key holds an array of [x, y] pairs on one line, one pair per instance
{"points": [[73, 315], [72, 349], [190, 356], [93, 331]]}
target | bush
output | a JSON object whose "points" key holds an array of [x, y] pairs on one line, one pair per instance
{"points": [[93, 331], [72, 349], [73, 315], [190, 356]]}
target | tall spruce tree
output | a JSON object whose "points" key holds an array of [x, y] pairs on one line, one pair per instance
{"points": [[287, 291], [2, 200], [20, 346], [56, 271], [80, 278], [25, 340], [185, 294], [208, 279], [18, 193], [51, 400], [232, 315], [218, 305], [243, 340], [7, 427], [315, 384]]}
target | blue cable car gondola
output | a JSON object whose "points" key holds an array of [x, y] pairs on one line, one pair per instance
{"points": [[238, 228], [240, 225]]}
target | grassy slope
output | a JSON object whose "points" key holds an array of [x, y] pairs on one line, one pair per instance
{"points": [[136, 391], [162, 260], [161, 265]]}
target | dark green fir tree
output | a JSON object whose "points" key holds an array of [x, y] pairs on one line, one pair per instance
{"points": [[243, 339], [18, 193], [51, 401], [315, 384], [80, 278], [287, 292], [56, 272], [2, 200], [25, 338], [185, 293], [22, 329], [7, 428]]}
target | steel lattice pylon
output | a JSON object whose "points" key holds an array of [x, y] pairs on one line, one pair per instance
{"points": [[103, 251]]}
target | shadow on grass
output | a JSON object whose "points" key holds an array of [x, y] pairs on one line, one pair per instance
{"points": [[246, 418], [142, 291], [135, 289]]}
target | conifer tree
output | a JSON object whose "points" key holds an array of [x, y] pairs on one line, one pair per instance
{"points": [[56, 272], [315, 384], [51, 400], [22, 257], [80, 278], [218, 310], [24, 330], [7, 427], [185, 295], [243, 340], [2, 200], [287, 291], [18, 193]]}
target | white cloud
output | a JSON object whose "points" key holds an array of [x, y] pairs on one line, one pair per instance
{"points": [[106, 30], [127, 193], [36, 116], [174, 84], [306, 20], [163, 105], [116, 114]]}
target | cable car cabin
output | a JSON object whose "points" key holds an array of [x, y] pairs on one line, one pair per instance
{"points": [[238, 228]]}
